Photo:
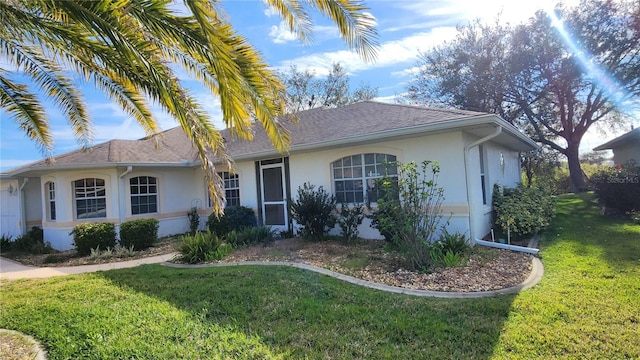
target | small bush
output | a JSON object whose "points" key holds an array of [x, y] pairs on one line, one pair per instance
{"points": [[5, 243], [234, 218], [618, 187], [449, 250], [522, 211], [409, 213], [250, 236], [89, 236], [349, 218], [32, 242], [194, 220], [313, 211], [203, 246], [139, 234]]}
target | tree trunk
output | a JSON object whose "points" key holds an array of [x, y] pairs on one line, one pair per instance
{"points": [[575, 171]]}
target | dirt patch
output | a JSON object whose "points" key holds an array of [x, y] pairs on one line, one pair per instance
{"points": [[485, 269]]}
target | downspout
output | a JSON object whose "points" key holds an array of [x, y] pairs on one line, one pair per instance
{"points": [[23, 207], [471, 200], [121, 194], [470, 197]]}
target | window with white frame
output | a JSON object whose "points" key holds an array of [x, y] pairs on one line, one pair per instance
{"points": [[482, 175], [50, 188], [354, 177], [231, 183], [90, 198], [144, 195]]}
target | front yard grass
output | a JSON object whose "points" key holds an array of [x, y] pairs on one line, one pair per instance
{"points": [[585, 307]]}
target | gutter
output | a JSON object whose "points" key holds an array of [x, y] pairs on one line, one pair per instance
{"points": [[23, 210], [407, 131], [470, 198], [496, 245], [122, 192]]}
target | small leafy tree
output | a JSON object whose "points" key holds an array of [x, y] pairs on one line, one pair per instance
{"points": [[349, 218], [194, 220], [409, 211], [313, 211]]}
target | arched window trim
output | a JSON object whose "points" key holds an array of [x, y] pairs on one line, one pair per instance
{"points": [[143, 194], [354, 176]]}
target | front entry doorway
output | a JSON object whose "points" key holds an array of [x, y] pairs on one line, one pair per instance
{"points": [[273, 192]]}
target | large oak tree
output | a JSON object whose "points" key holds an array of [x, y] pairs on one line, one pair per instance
{"points": [[130, 49], [554, 76]]}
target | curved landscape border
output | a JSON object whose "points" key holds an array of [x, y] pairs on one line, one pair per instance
{"points": [[36, 347], [537, 271]]}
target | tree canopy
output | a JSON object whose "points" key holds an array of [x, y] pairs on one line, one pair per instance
{"points": [[129, 50], [305, 90], [553, 76]]}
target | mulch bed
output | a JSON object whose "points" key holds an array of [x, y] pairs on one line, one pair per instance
{"points": [[486, 269]]}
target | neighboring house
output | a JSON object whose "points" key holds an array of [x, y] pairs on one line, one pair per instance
{"points": [[342, 149], [625, 148]]}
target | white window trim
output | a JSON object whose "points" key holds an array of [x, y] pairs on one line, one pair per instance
{"points": [[365, 176], [131, 195], [75, 198]]}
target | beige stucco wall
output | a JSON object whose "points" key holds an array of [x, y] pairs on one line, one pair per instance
{"points": [[624, 154]]}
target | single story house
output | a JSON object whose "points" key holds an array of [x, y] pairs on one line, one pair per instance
{"points": [[341, 149], [626, 147]]}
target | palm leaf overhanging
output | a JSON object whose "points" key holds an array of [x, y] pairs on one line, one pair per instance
{"points": [[127, 49]]}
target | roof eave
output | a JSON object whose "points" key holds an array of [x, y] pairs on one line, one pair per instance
{"points": [[407, 131], [55, 167]]}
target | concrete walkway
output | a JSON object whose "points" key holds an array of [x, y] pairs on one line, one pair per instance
{"points": [[11, 270]]}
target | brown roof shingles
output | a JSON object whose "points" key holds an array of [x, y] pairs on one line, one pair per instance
{"points": [[313, 126]]}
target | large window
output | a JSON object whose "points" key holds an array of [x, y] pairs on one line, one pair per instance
{"points": [[50, 188], [355, 176], [144, 195], [90, 198]]}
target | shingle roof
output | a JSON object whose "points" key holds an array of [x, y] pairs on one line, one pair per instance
{"points": [[320, 125], [630, 137], [359, 119]]}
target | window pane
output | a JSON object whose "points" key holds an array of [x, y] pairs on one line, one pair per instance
{"points": [[347, 173], [272, 179], [356, 159], [337, 173], [133, 181], [357, 172], [369, 159]]}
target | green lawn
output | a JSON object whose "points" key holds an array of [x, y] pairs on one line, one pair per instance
{"points": [[585, 307]]}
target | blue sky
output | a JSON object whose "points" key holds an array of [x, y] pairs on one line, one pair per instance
{"points": [[405, 27]]}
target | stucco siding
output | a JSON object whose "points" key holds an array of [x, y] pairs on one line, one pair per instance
{"points": [[624, 154]]}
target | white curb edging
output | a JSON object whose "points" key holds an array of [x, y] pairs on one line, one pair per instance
{"points": [[537, 271]]}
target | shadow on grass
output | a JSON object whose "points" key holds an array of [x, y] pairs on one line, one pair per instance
{"points": [[310, 315]]}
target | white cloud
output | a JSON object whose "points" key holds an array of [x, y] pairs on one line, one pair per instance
{"points": [[281, 34], [390, 53]]}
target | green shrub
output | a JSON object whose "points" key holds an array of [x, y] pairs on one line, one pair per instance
{"points": [[449, 250], [522, 211], [5, 243], [409, 211], [250, 236], [234, 218], [313, 211], [203, 246], [194, 220], [32, 242], [139, 234], [349, 218], [89, 236], [618, 187]]}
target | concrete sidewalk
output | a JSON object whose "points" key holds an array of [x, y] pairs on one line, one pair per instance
{"points": [[11, 270]]}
